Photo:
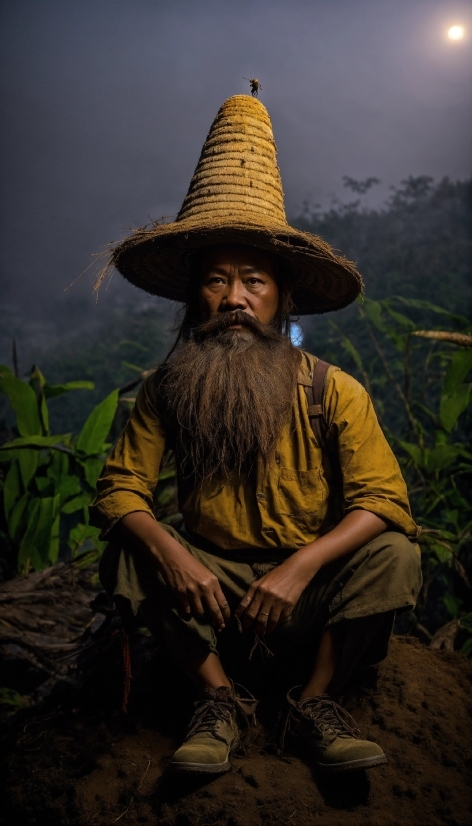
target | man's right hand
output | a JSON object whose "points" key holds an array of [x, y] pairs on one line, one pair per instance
{"points": [[197, 590]]}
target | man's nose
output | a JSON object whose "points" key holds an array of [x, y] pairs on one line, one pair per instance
{"points": [[234, 296]]}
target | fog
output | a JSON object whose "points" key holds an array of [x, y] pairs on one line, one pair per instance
{"points": [[105, 106]]}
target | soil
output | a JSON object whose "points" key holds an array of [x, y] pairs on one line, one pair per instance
{"points": [[73, 766]]}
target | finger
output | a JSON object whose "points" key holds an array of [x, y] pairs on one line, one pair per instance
{"points": [[223, 604], [197, 608], [273, 620], [216, 616], [262, 620], [245, 602], [184, 604], [249, 617]]}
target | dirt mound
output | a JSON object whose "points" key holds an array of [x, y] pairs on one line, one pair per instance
{"points": [[73, 768]]}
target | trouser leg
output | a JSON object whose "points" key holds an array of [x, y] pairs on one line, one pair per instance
{"points": [[382, 577], [357, 597], [363, 641], [139, 589]]}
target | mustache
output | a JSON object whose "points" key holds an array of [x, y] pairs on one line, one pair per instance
{"points": [[223, 321]]}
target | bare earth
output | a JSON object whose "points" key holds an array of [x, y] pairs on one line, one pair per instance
{"points": [[90, 765]]}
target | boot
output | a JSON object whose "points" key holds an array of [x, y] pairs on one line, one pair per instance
{"points": [[330, 734], [215, 731]]}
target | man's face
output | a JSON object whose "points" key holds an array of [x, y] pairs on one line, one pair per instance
{"points": [[238, 278]]}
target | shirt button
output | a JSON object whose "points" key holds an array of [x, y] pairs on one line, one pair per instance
{"points": [[277, 459], [268, 530], [260, 496]]}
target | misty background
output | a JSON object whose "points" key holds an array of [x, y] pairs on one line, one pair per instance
{"points": [[106, 105]]}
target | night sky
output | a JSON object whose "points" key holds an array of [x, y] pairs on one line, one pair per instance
{"points": [[106, 104]]}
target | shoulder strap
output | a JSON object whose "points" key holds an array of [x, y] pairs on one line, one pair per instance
{"points": [[315, 402]]}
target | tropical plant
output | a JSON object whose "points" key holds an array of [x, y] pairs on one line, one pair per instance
{"points": [[418, 381], [49, 480]]}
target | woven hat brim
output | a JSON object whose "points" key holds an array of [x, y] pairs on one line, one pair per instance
{"points": [[156, 260]]}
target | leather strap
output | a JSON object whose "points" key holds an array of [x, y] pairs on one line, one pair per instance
{"points": [[314, 396]]}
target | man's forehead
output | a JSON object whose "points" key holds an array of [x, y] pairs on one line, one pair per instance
{"points": [[230, 254]]}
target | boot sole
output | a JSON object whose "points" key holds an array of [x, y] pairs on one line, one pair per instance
{"points": [[354, 765], [201, 768]]}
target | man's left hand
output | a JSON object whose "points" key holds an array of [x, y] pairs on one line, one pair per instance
{"points": [[271, 599]]}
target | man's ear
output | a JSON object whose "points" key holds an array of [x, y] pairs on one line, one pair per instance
{"points": [[286, 304]]}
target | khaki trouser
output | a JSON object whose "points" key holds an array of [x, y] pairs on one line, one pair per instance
{"points": [[366, 587]]}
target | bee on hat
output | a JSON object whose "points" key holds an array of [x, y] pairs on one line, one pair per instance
{"points": [[255, 86]]}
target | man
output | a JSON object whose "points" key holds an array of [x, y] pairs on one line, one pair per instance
{"points": [[286, 533]]}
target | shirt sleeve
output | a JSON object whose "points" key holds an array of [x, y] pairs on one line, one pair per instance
{"points": [[372, 479], [131, 472]]}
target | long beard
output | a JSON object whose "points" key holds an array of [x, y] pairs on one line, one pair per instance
{"points": [[230, 393]]}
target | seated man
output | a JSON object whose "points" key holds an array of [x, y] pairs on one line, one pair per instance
{"points": [[296, 521]]}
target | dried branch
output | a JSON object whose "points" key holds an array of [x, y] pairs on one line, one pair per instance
{"points": [[462, 339]]}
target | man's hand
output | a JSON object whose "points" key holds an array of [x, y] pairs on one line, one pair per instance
{"points": [[197, 590], [271, 599]]}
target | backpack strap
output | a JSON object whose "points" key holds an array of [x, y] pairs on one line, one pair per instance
{"points": [[318, 424], [314, 396]]}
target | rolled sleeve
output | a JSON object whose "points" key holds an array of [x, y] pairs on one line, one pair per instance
{"points": [[372, 478], [130, 474]]}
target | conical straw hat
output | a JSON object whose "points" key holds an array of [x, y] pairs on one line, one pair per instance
{"points": [[236, 196]]}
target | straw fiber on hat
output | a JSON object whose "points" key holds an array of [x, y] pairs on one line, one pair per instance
{"points": [[236, 197]]}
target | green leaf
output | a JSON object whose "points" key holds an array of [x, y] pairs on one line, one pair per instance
{"points": [[98, 425], [28, 462], [12, 489], [58, 467], [93, 468], [41, 540], [77, 503], [453, 604], [419, 304], [441, 553], [54, 541], [5, 371], [39, 442], [466, 622], [373, 311], [441, 457], [414, 452], [401, 320], [166, 495], [85, 535], [10, 697], [132, 366], [457, 371], [451, 406], [17, 521], [27, 549], [467, 647], [167, 473], [23, 400], [37, 382], [51, 391], [43, 483], [67, 486]]}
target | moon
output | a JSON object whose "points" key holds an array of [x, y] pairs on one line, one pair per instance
{"points": [[456, 32]]}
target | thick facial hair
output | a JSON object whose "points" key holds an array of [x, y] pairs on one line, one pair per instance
{"points": [[229, 393]]}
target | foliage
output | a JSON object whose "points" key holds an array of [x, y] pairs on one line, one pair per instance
{"points": [[423, 400], [418, 244], [49, 480]]}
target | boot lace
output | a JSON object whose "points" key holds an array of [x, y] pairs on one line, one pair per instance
{"points": [[216, 708], [324, 715]]}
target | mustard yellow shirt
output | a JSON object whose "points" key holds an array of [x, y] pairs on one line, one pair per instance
{"points": [[286, 503]]}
